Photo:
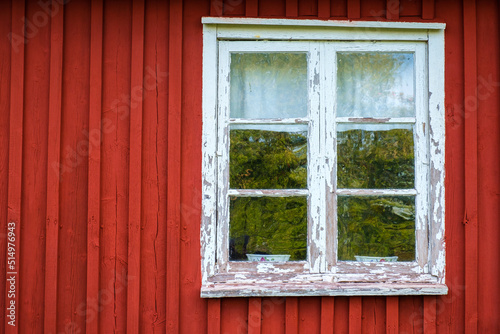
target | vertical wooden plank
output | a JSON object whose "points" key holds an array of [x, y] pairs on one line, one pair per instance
{"points": [[392, 315], [324, 9], [471, 154], [353, 9], [428, 9], [327, 314], [355, 309], [15, 161], [5, 72], [234, 315], [53, 176], [392, 10], [292, 8], [292, 315], [135, 170], [216, 7], [94, 193], [341, 316], [213, 316], [372, 315], [174, 165], [273, 315], [254, 315], [252, 8], [154, 171], [430, 303], [309, 315]]}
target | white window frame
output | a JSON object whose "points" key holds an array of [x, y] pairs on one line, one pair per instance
{"points": [[321, 274]]}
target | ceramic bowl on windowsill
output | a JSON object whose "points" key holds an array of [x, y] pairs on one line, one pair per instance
{"points": [[361, 258], [268, 258]]}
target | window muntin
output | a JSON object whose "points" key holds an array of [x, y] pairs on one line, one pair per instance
{"points": [[322, 192]]}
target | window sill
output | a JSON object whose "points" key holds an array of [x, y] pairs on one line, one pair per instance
{"points": [[321, 287]]}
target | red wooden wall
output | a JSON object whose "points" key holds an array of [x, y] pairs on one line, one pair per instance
{"points": [[100, 170]]}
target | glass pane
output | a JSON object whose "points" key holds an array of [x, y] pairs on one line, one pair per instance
{"points": [[376, 226], [268, 157], [268, 226], [371, 84], [268, 85], [375, 156]]}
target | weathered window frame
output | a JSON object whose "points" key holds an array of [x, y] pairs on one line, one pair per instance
{"points": [[321, 274]]}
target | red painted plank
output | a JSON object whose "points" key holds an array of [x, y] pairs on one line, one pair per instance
{"points": [[272, 8], [174, 165], [392, 315], [392, 10], [134, 221], [488, 93], [53, 176], [308, 8], [355, 309], [410, 314], [154, 171], [353, 9], [216, 7], [373, 312], [5, 73], [292, 8], [116, 102], [252, 8], [273, 315], [327, 315], [292, 315], [428, 9], [341, 316], [324, 9], [471, 154], [430, 303], [214, 310], [309, 315], [234, 315], [254, 315], [94, 183], [192, 309], [15, 158]]}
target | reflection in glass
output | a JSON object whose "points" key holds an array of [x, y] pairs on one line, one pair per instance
{"points": [[375, 84], [268, 225], [268, 85], [376, 226], [272, 158], [375, 156]]}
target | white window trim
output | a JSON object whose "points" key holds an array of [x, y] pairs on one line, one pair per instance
{"points": [[320, 275]]}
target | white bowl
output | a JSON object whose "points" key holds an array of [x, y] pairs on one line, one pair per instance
{"points": [[361, 258], [268, 258]]}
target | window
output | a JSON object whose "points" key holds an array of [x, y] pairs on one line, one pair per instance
{"points": [[323, 158]]}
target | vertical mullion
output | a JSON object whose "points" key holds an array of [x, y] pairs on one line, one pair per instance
{"points": [[329, 139], [223, 157], [421, 157], [316, 226]]}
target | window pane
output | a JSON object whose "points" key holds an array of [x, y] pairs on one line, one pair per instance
{"points": [[268, 225], [379, 226], [375, 156], [268, 85], [371, 84], [268, 156]]}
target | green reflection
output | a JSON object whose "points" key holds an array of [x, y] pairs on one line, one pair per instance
{"points": [[268, 225], [375, 159], [262, 159], [376, 226]]}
